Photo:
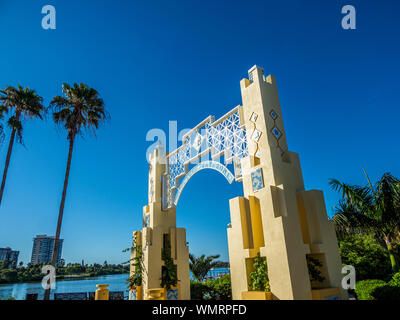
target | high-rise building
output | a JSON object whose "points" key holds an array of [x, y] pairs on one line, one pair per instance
{"points": [[6, 254], [42, 251]]}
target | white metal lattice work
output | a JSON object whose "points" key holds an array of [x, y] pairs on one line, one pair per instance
{"points": [[225, 137]]}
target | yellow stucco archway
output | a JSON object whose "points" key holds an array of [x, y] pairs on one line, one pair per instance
{"points": [[276, 218]]}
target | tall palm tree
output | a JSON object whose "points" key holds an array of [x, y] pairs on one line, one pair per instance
{"points": [[369, 209], [200, 266], [21, 103], [80, 110]]}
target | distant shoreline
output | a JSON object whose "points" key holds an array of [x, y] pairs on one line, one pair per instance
{"points": [[65, 277]]}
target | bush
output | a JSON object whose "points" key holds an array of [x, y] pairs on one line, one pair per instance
{"points": [[387, 292], [259, 277], [8, 275], [395, 280], [379, 289], [370, 260], [219, 289], [198, 290], [365, 288]]}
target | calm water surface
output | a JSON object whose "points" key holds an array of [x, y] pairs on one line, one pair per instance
{"points": [[18, 291], [117, 282]]}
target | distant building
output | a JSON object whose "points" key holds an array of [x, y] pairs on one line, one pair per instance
{"points": [[6, 254], [43, 247]]}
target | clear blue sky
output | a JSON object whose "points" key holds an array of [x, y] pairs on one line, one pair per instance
{"points": [[156, 61]]}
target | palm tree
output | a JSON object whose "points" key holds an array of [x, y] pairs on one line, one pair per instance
{"points": [[200, 266], [80, 110], [21, 103], [369, 209]]}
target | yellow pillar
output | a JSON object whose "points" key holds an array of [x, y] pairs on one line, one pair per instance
{"points": [[102, 293]]}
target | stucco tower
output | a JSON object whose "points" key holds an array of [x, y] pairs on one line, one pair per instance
{"points": [[159, 228], [277, 217]]}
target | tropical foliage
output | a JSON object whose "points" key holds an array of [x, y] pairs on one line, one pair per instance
{"points": [[379, 289], [365, 288], [137, 263], [371, 210], [395, 281], [259, 277], [18, 104], [369, 258], [218, 289], [169, 273], [80, 110], [201, 266]]}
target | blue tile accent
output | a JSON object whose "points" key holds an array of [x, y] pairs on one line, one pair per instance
{"points": [[257, 180]]}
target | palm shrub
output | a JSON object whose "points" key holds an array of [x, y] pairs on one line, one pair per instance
{"points": [[20, 104], [201, 266], [370, 210]]}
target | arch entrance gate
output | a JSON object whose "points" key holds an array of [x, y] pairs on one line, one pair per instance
{"points": [[276, 217]]}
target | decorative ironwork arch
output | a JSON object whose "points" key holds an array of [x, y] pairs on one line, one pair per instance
{"points": [[202, 166], [209, 140]]}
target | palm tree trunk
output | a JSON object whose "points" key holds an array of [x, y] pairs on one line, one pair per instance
{"points": [[61, 212], [10, 147], [393, 261]]}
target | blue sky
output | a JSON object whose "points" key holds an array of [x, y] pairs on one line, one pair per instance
{"points": [[156, 61]]}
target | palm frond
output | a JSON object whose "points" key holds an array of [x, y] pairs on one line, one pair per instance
{"points": [[21, 103], [80, 110]]}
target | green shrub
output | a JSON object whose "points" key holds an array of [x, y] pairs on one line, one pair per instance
{"points": [[365, 288], [198, 290], [137, 263], [220, 289], [259, 277], [8, 275], [169, 272], [379, 289], [363, 253], [395, 280], [386, 293]]}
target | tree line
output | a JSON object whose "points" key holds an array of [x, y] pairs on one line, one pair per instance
{"points": [[33, 272]]}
